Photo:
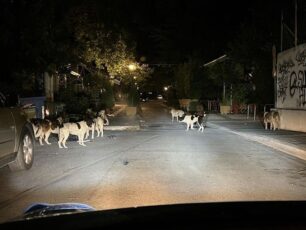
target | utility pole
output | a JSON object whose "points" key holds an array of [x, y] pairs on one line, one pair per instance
{"points": [[282, 31], [295, 29], [284, 25]]}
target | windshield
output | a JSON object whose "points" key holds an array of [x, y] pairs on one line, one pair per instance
{"points": [[139, 103]]}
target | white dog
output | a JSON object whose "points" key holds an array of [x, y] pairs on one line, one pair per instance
{"points": [[190, 120], [79, 129], [99, 125], [176, 113], [103, 115]]}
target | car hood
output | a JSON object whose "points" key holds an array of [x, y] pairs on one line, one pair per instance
{"points": [[220, 215]]}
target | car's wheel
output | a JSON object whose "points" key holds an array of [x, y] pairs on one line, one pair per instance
{"points": [[25, 155]]}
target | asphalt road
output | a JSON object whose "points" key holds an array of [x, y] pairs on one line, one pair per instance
{"points": [[160, 164]]}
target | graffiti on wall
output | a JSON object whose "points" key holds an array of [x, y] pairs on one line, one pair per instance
{"points": [[284, 70], [297, 87], [291, 78]]}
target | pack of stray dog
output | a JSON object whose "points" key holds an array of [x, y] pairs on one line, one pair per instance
{"points": [[92, 121]]}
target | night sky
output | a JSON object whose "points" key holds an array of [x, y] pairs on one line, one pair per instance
{"points": [[184, 28], [162, 31]]}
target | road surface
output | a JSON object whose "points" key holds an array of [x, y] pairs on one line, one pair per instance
{"points": [[160, 164]]}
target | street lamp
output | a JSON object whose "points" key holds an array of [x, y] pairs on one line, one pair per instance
{"points": [[132, 67]]}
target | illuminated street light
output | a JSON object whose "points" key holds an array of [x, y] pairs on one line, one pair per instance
{"points": [[75, 73], [165, 88], [132, 67]]}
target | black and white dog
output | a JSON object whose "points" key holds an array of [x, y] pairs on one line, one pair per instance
{"points": [[72, 128], [200, 120], [190, 120]]}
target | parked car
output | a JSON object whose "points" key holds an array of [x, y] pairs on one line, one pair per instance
{"points": [[16, 137]]}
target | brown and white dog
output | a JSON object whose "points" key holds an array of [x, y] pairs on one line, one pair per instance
{"points": [[44, 127], [176, 113], [273, 119]]}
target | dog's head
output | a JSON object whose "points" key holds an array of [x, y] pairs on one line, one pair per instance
{"points": [[36, 121], [89, 122], [101, 113]]}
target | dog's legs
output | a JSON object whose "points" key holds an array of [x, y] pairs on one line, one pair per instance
{"points": [[37, 131], [266, 125], [92, 131], [86, 134], [81, 141], [97, 129], [102, 134], [47, 137], [63, 136], [60, 139], [107, 121], [64, 140], [40, 139]]}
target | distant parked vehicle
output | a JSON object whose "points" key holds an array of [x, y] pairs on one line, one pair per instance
{"points": [[160, 97]]}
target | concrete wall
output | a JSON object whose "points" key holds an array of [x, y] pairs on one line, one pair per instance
{"points": [[291, 88], [294, 120], [291, 78]]}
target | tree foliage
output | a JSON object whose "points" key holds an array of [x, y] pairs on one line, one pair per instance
{"points": [[43, 36]]}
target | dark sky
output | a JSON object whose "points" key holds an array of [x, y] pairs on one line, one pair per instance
{"points": [[170, 31]]}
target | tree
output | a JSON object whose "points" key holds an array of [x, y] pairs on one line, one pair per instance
{"points": [[188, 79], [252, 51]]}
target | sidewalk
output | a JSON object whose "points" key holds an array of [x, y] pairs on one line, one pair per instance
{"points": [[289, 142], [120, 121]]}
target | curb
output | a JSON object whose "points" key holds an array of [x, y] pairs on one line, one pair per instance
{"points": [[122, 128], [270, 142], [123, 107]]}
